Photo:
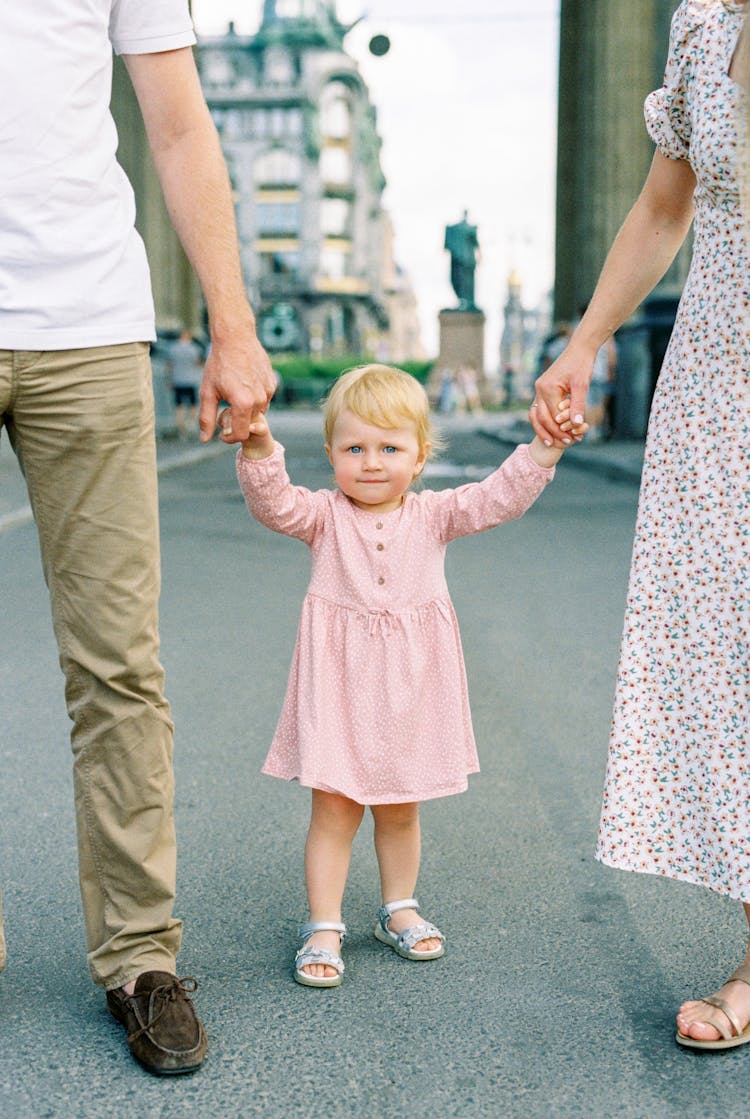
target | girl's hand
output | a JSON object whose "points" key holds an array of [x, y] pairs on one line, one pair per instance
{"points": [[545, 455], [567, 379], [259, 442]]}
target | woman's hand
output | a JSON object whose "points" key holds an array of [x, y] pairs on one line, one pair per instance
{"points": [[568, 377]]}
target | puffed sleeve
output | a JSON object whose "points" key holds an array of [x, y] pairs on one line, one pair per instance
{"points": [[273, 500], [503, 496], [667, 110]]}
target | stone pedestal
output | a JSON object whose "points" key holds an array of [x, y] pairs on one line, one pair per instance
{"points": [[461, 342]]}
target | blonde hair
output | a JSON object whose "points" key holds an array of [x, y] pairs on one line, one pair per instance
{"points": [[384, 397]]}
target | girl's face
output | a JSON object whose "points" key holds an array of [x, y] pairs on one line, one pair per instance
{"points": [[374, 467]]}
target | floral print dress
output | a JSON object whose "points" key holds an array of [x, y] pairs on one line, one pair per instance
{"points": [[677, 795]]}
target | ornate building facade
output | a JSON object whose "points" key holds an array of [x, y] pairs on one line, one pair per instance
{"points": [[299, 135]]}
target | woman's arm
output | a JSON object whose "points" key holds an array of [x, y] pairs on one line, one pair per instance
{"points": [[641, 253]]}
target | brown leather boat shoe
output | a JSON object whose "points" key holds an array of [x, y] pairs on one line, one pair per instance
{"points": [[164, 1032]]}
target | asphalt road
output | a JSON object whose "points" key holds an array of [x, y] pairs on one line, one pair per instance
{"points": [[557, 993]]}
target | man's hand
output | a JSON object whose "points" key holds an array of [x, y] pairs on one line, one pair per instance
{"points": [[238, 371]]}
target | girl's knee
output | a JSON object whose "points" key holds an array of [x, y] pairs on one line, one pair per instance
{"points": [[334, 811], [395, 816]]}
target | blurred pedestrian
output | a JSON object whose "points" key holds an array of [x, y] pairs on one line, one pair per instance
{"points": [[376, 711], [185, 365], [677, 796], [554, 345], [446, 404], [76, 399], [468, 389]]}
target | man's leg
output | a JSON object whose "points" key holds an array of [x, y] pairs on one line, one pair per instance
{"points": [[6, 383], [82, 425]]}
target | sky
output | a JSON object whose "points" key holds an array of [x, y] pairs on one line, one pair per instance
{"points": [[466, 104]]}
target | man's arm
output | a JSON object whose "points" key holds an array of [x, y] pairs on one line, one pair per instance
{"points": [[196, 187]]}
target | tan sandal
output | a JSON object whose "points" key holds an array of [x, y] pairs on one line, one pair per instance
{"points": [[729, 1037]]}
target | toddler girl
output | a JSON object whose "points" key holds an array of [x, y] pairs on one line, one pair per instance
{"points": [[376, 710]]}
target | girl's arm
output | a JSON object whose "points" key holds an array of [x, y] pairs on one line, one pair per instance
{"points": [[642, 252], [503, 496], [269, 495]]}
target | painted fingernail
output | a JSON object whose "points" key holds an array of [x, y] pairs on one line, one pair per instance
{"points": [[566, 441], [548, 442], [578, 419]]}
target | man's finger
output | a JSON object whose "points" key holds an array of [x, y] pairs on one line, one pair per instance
{"points": [[207, 420]]}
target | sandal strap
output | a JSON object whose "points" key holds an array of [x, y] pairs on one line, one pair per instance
{"points": [[387, 910], [725, 1008], [411, 936], [742, 974], [310, 927], [315, 955]]}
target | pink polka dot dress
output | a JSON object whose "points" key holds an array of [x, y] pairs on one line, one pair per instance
{"points": [[677, 796], [377, 707]]}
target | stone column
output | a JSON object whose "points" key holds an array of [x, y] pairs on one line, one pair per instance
{"points": [[611, 56]]}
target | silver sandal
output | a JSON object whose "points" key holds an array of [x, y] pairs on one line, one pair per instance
{"points": [[311, 954], [403, 943]]}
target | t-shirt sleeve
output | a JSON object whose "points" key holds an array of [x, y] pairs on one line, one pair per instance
{"points": [[273, 500], [148, 26], [667, 110], [505, 495]]}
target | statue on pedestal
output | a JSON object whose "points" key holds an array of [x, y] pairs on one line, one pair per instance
{"points": [[462, 243]]}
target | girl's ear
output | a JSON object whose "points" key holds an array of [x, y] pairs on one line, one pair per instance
{"points": [[424, 454], [327, 449]]}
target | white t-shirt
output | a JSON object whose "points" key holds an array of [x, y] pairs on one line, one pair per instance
{"points": [[73, 270]]}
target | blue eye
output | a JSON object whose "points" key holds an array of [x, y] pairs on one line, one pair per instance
{"points": [[355, 450], [389, 450]]}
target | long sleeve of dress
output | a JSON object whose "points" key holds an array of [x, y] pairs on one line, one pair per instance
{"points": [[505, 495], [273, 500]]}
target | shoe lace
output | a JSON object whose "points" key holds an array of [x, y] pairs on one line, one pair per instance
{"points": [[164, 994]]}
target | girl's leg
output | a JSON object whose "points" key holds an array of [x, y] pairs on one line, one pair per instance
{"points": [[694, 1018], [333, 824], [398, 848]]}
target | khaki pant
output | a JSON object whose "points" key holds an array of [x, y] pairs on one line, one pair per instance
{"points": [[81, 423]]}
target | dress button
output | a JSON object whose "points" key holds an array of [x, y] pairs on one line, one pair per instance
{"points": [[380, 547], [379, 524], [381, 580]]}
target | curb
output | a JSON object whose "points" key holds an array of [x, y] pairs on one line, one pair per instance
{"points": [[580, 459]]}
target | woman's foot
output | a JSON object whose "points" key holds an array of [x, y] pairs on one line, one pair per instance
{"points": [[407, 919], [703, 1021]]}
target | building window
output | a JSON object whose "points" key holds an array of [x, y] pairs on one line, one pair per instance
{"points": [[334, 263], [335, 214], [335, 111], [280, 263], [282, 218], [293, 9], [278, 167], [278, 68], [335, 166]]}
